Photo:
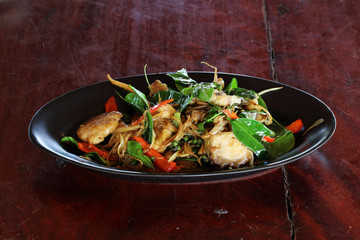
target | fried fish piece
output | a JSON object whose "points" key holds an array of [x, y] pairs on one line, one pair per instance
{"points": [[96, 129], [225, 150]]}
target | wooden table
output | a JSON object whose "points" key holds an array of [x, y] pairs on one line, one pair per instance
{"points": [[48, 48]]}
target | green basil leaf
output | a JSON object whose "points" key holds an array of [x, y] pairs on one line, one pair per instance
{"points": [[182, 79], [136, 102], [95, 157], [187, 91], [240, 130], [255, 128], [188, 86], [70, 140], [233, 84], [284, 140], [180, 99], [134, 149], [149, 126], [204, 91], [244, 93], [211, 115], [141, 95], [92, 155], [201, 126], [262, 102]]}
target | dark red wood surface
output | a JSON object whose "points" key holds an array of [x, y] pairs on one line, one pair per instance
{"points": [[48, 48], [316, 48]]}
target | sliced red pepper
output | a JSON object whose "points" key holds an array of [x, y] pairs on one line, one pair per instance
{"points": [[144, 144], [160, 162], [268, 139], [87, 147], [110, 105], [153, 110], [295, 126], [229, 114]]}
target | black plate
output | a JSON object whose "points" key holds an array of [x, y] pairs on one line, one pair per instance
{"points": [[64, 114]]}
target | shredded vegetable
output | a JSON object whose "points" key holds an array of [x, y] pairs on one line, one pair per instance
{"points": [[196, 125]]}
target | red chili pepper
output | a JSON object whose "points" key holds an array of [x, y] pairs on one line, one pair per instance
{"points": [[229, 114], [296, 126], [161, 162], [87, 147], [153, 110], [110, 105], [268, 139]]}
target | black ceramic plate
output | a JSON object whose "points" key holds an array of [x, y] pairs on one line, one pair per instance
{"points": [[64, 114]]}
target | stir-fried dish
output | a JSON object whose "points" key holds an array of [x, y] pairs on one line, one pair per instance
{"points": [[198, 125]]}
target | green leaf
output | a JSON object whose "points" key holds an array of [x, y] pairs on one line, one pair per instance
{"points": [[136, 102], [240, 130], [188, 86], [233, 84], [182, 79], [255, 128], [203, 90], [180, 99], [262, 102], [92, 155], [149, 126], [141, 95], [187, 91], [70, 140], [135, 150], [244, 93], [243, 128], [201, 126], [284, 140], [95, 157], [211, 115]]}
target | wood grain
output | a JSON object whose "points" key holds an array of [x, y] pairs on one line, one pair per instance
{"points": [[48, 48], [51, 47], [316, 49]]}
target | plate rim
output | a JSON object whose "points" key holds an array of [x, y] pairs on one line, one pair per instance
{"points": [[173, 177]]}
